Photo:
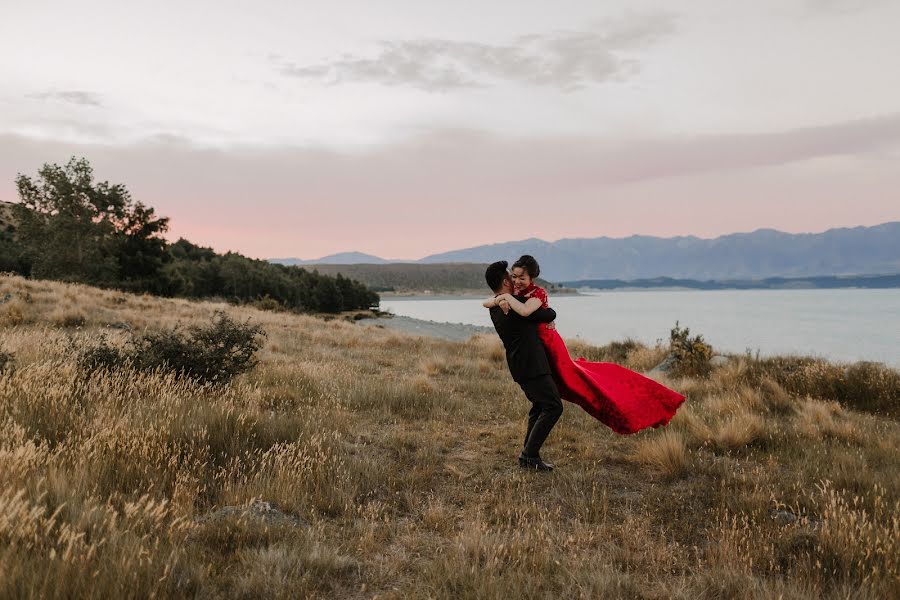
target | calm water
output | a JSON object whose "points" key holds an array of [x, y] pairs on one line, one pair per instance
{"points": [[842, 325]]}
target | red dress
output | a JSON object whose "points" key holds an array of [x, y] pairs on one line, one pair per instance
{"points": [[620, 398]]}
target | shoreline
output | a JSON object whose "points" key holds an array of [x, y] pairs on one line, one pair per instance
{"points": [[454, 332], [452, 295]]}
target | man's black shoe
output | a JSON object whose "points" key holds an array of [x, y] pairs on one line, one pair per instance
{"points": [[532, 462]]}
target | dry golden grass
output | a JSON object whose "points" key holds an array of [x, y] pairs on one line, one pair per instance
{"points": [[695, 430], [818, 419], [68, 316], [15, 312], [739, 430], [665, 452], [392, 461]]}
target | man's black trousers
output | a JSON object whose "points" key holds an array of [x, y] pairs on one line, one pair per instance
{"points": [[546, 408]]}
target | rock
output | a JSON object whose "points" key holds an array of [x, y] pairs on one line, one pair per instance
{"points": [[718, 360], [6, 298], [783, 517], [666, 365], [258, 510]]}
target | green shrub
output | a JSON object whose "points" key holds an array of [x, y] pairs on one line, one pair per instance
{"points": [[692, 354], [101, 355], [216, 352]]}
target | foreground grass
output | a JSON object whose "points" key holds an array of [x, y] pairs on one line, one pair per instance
{"points": [[395, 458]]}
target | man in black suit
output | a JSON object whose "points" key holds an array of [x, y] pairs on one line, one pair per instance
{"points": [[528, 365]]}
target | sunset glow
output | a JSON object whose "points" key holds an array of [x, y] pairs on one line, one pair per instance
{"points": [[404, 129]]}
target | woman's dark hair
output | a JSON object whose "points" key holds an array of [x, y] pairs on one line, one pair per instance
{"points": [[495, 274], [527, 262]]}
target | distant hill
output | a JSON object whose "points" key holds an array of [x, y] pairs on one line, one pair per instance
{"points": [[761, 253], [342, 258], [827, 282], [754, 255], [407, 277]]}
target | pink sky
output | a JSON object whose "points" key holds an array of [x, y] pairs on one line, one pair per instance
{"points": [[414, 199], [418, 128]]}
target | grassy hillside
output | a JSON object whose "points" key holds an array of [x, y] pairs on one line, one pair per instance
{"points": [[413, 277], [389, 465]]}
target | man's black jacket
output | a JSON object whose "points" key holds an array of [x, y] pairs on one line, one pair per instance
{"points": [[524, 350]]}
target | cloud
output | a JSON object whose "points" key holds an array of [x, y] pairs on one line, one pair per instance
{"points": [[550, 162], [841, 7], [567, 60], [71, 96], [652, 159]]}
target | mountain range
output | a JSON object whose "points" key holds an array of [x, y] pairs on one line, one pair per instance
{"points": [[757, 254], [341, 258]]}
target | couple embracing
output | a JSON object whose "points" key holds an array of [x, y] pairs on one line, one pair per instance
{"points": [[539, 362]]}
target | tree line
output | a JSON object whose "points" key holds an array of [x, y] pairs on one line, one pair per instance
{"points": [[67, 227], [436, 277]]}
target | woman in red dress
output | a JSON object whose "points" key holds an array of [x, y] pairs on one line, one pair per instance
{"points": [[622, 399]]}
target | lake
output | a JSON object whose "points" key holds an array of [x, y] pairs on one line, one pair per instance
{"points": [[840, 325]]}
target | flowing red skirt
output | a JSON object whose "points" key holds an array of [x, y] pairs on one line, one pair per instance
{"points": [[620, 398]]}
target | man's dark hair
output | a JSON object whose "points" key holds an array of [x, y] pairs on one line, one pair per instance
{"points": [[527, 262], [495, 274]]}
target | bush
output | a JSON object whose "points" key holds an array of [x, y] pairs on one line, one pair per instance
{"points": [[101, 355], [691, 354], [870, 386], [267, 302], [216, 352], [864, 385], [213, 353], [6, 360]]}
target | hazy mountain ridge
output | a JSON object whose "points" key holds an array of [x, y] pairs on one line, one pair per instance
{"points": [[761, 253], [341, 258], [749, 255]]}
